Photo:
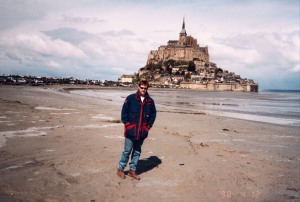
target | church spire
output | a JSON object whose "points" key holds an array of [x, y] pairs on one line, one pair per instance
{"points": [[183, 32]]}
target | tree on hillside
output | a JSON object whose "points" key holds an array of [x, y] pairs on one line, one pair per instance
{"points": [[191, 67], [167, 63], [187, 77], [218, 71]]}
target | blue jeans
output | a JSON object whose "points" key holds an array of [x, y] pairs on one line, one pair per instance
{"points": [[133, 147]]}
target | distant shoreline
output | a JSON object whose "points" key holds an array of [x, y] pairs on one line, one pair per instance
{"points": [[279, 90], [95, 87]]}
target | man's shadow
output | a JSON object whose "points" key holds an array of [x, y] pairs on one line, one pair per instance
{"points": [[147, 164]]}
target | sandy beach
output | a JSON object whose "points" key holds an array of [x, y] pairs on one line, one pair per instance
{"points": [[58, 146]]}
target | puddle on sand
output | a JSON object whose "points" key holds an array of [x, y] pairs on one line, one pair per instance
{"points": [[12, 167], [96, 126], [30, 132], [49, 150], [101, 116], [65, 113], [114, 137], [52, 108]]}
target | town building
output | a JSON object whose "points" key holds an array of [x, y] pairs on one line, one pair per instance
{"points": [[126, 78]]}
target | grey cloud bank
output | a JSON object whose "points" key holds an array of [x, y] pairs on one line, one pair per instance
{"points": [[105, 39]]}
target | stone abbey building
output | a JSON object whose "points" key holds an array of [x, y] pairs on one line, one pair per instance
{"points": [[184, 49]]}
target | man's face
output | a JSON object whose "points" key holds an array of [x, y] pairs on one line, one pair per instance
{"points": [[143, 90]]}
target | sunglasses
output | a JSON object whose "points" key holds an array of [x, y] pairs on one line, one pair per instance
{"points": [[143, 88]]}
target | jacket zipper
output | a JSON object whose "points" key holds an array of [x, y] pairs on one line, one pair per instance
{"points": [[140, 122]]}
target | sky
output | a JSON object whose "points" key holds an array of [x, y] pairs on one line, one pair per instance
{"points": [[104, 39]]}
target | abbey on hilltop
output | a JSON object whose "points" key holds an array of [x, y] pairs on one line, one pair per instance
{"points": [[183, 63], [185, 49]]}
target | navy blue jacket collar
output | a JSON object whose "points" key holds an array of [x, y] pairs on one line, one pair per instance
{"points": [[138, 96]]}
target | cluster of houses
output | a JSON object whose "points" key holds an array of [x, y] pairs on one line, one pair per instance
{"points": [[203, 77], [35, 81]]}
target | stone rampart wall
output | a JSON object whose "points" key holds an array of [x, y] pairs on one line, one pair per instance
{"points": [[179, 53], [219, 87]]}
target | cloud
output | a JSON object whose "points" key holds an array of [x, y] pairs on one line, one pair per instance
{"points": [[70, 35], [14, 13], [13, 56], [78, 19], [53, 64], [39, 54], [118, 33], [257, 51], [38, 45], [69, 51]]}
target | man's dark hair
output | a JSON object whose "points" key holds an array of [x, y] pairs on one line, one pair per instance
{"points": [[144, 82]]}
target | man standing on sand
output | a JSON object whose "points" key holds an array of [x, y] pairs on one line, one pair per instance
{"points": [[138, 115]]}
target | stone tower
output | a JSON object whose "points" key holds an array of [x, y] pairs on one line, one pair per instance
{"points": [[182, 35]]}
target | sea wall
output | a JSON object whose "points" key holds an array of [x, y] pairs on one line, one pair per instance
{"points": [[220, 87]]}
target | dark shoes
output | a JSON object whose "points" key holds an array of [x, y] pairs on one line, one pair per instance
{"points": [[132, 174], [121, 173]]}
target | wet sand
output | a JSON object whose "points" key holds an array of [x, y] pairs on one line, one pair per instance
{"points": [[57, 146]]}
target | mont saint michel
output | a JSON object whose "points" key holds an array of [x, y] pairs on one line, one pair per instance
{"points": [[184, 63]]}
